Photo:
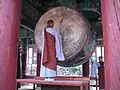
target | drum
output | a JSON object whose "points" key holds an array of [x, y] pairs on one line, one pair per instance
{"points": [[74, 29]]}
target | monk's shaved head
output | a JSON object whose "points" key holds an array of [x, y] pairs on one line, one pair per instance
{"points": [[50, 23]]}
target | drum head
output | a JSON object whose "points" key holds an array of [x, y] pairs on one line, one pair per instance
{"points": [[73, 27]]}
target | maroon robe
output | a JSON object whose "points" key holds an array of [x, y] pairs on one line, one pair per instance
{"points": [[49, 55]]}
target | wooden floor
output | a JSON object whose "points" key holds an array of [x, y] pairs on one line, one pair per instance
{"points": [[30, 86]]}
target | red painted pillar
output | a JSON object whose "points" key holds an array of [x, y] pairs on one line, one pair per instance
{"points": [[9, 28], [111, 37], [38, 63]]}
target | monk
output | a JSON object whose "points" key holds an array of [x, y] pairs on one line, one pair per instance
{"points": [[101, 74], [51, 51]]}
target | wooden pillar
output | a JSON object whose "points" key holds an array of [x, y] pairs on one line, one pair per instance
{"points": [[24, 58], [38, 63], [86, 69], [111, 37], [23, 65], [19, 68], [9, 28], [86, 73]]}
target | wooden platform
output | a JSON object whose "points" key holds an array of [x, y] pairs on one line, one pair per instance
{"points": [[60, 83]]}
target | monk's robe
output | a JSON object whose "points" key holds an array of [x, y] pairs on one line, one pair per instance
{"points": [[51, 52]]}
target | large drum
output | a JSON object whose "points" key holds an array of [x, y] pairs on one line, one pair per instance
{"points": [[75, 31]]}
